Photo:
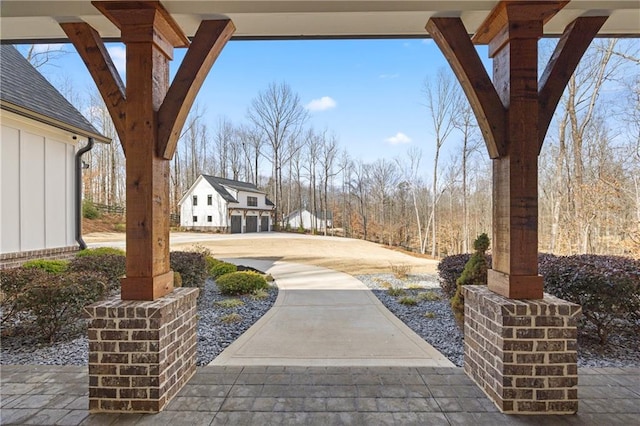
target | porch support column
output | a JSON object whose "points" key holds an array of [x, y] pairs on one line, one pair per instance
{"points": [[142, 348], [520, 344]]}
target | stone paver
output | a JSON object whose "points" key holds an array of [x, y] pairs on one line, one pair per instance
{"points": [[264, 395]]}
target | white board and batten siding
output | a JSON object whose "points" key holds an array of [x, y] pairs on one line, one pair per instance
{"points": [[37, 194], [217, 210]]}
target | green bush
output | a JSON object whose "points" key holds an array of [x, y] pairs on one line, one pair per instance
{"points": [[229, 303], [99, 251], [235, 283], [474, 273], [449, 270], [56, 301], [259, 294], [48, 265], [211, 264], [429, 296], [192, 267], [110, 266], [89, 210], [223, 268], [231, 318], [607, 288]]}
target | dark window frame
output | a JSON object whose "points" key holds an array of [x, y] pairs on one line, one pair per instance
{"points": [[252, 201], [194, 200]]}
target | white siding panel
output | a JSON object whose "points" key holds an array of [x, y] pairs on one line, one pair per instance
{"points": [[9, 190], [56, 194], [71, 195], [32, 199]]}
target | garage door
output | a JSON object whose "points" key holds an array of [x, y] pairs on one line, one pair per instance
{"points": [[236, 224], [264, 223], [252, 224]]}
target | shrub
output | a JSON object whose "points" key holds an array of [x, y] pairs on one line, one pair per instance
{"points": [[223, 268], [395, 291], [211, 264], [111, 266], [89, 210], [607, 288], [120, 227], [414, 286], [192, 267], [401, 271], [474, 273], [429, 296], [229, 303], [99, 251], [269, 278], [449, 270], [407, 300], [12, 284], [235, 283], [57, 301], [48, 265], [177, 279], [231, 318]]}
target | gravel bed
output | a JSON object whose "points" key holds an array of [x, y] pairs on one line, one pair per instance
{"points": [[443, 333], [214, 335]]}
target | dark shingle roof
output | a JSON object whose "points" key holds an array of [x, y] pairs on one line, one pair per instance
{"points": [[25, 91], [218, 182]]}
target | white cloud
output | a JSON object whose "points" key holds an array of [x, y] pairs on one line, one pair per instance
{"points": [[119, 57], [388, 76], [322, 104], [398, 139]]}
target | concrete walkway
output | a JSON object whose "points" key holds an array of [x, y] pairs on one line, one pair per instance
{"points": [[326, 318]]}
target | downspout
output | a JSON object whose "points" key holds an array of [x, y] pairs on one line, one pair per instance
{"points": [[79, 154]]}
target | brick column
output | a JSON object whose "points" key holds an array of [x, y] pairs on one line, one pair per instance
{"points": [[522, 353], [141, 353]]}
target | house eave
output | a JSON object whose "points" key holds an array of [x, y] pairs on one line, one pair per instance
{"points": [[17, 109]]}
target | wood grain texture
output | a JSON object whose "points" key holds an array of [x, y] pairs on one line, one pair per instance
{"points": [[452, 38], [563, 62], [515, 286], [207, 44], [94, 54]]}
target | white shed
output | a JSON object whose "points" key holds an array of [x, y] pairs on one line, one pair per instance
{"points": [[224, 205], [305, 218], [40, 133]]}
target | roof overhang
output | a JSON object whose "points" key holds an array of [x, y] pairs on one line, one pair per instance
{"points": [[31, 20], [17, 109]]}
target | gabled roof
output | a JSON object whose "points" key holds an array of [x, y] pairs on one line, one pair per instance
{"points": [[219, 185], [24, 91]]}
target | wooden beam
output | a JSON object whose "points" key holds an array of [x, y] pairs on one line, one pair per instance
{"points": [[452, 38], [574, 42], [206, 46], [94, 54]]}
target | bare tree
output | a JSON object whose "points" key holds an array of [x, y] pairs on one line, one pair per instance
{"points": [[328, 154], [40, 55], [442, 99], [278, 113], [360, 187]]}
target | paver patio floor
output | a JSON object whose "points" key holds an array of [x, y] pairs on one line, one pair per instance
{"points": [[218, 395]]}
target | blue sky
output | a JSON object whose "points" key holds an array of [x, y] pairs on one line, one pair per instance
{"points": [[368, 92]]}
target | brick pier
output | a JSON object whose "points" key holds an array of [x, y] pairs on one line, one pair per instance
{"points": [[522, 353], [141, 353]]}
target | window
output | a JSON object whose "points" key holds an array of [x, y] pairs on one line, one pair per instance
{"points": [[209, 218], [209, 200], [252, 201], [195, 218], [195, 200]]}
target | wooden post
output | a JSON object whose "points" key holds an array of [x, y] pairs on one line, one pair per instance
{"points": [[148, 115], [514, 126]]}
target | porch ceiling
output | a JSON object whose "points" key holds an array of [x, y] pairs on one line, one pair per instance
{"points": [[28, 20]]}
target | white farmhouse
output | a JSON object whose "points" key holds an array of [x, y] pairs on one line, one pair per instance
{"points": [[40, 192], [225, 205], [307, 220]]}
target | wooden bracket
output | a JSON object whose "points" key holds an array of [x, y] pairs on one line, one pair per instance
{"points": [[93, 52], [452, 38], [574, 42], [206, 46]]}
